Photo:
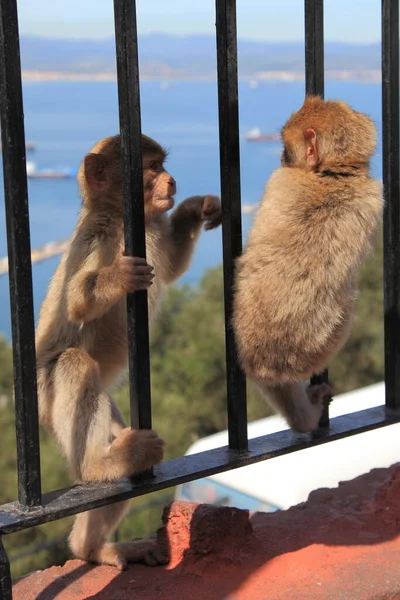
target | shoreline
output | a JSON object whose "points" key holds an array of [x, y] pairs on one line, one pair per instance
{"points": [[254, 79], [55, 248]]}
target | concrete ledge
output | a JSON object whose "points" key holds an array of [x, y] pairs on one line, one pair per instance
{"points": [[343, 544]]}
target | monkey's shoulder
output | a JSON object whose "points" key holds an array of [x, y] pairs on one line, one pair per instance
{"points": [[96, 241], [307, 195], [102, 229], [287, 178], [285, 192], [370, 192]]}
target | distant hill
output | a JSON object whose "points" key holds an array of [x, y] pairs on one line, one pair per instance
{"points": [[163, 55]]}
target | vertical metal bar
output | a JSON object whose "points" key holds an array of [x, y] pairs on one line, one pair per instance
{"points": [[391, 225], [5, 575], [314, 46], [134, 218], [19, 256], [314, 55], [231, 208]]}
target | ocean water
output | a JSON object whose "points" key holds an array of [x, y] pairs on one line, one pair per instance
{"points": [[65, 119]]}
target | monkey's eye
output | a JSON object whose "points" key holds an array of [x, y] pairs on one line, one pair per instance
{"points": [[153, 166]]}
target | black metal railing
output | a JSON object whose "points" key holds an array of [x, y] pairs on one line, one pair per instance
{"points": [[135, 242], [315, 86], [391, 246], [33, 508], [228, 101]]}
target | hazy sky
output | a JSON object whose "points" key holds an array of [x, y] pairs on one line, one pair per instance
{"points": [[345, 20]]}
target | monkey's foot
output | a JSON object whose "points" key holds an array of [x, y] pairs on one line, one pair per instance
{"points": [[137, 551], [135, 450], [308, 413], [318, 392]]}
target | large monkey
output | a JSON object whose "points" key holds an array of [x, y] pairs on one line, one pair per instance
{"points": [[81, 338], [295, 282]]}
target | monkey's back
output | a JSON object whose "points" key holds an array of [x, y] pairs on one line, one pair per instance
{"points": [[295, 288]]}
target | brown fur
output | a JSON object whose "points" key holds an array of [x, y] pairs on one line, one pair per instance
{"points": [[81, 338], [295, 283]]}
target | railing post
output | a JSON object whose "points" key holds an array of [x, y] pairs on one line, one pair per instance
{"points": [[231, 208], [314, 46], [5, 575], [391, 222], [314, 55], [134, 219], [19, 257]]}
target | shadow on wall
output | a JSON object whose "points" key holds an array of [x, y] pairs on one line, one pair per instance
{"points": [[342, 544]]}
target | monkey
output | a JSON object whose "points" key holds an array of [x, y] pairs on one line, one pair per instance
{"points": [[81, 336], [295, 283]]}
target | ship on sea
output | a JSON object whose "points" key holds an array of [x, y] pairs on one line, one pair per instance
{"points": [[255, 135], [63, 173]]}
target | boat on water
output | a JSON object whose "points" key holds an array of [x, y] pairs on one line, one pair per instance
{"points": [[253, 83], [255, 135], [33, 173]]}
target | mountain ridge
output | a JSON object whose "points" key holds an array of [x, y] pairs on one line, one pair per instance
{"points": [[164, 55]]}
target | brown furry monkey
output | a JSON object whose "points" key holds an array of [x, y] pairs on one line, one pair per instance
{"points": [[81, 338], [295, 283]]}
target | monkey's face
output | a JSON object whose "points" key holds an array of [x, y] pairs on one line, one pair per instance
{"points": [[159, 186], [100, 176]]}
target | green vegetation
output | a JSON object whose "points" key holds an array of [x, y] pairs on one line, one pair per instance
{"points": [[188, 389]]}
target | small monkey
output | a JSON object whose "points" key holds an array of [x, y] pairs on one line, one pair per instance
{"points": [[295, 286], [81, 338]]}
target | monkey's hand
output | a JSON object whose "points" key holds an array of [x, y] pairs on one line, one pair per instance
{"points": [[205, 209], [133, 273], [211, 212], [185, 226], [134, 451]]}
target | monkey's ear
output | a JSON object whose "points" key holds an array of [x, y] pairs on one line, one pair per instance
{"points": [[312, 149], [96, 172]]}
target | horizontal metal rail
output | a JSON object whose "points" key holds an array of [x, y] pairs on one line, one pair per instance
{"points": [[70, 501]]}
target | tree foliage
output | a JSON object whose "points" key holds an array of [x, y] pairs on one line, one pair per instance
{"points": [[361, 362]]}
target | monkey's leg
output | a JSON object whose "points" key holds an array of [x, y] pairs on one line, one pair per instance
{"points": [[117, 420], [91, 529], [300, 404], [82, 423]]}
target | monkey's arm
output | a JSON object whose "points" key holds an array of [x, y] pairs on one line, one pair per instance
{"points": [[94, 289], [91, 294], [185, 227]]}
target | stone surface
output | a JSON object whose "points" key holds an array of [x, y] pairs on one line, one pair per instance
{"points": [[343, 544]]}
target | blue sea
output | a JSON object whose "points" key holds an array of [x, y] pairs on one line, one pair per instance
{"points": [[66, 118]]}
